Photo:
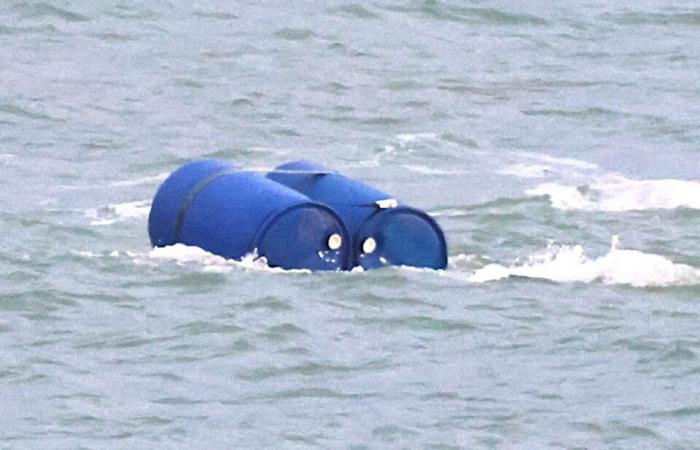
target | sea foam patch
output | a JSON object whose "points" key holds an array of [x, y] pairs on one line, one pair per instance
{"points": [[615, 193], [425, 170], [409, 138], [186, 255], [141, 181], [541, 165], [564, 263], [562, 162], [527, 170], [110, 214]]}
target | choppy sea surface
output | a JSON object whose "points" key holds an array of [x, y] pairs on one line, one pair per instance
{"points": [[557, 143]]}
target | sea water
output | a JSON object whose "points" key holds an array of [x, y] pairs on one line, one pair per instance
{"points": [[557, 144]]}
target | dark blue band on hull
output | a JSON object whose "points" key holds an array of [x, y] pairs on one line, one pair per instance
{"points": [[229, 212], [167, 203], [187, 202]]}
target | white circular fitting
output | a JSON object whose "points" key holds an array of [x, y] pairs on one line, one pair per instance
{"points": [[335, 241], [369, 245]]}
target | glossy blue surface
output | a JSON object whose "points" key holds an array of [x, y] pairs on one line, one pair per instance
{"points": [[170, 196], [229, 212], [403, 235]]}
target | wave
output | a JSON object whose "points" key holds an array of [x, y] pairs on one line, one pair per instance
{"points": [[687, 18], [425, 170], [541, 165], [182, 254], [570, 264], [408, 138], [526, 170], [558, 263], [36, 10], [141, 181], [552, 160], [448, 213], [110, 214], [187, 255], [616, 194]]}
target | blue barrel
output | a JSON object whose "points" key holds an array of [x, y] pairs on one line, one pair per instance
{"points": [[384, 232], [227, 211]]}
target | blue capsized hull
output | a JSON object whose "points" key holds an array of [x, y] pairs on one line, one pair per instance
{"points": [[215, 205], [384, 232]]}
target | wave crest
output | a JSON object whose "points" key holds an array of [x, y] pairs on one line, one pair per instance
{"points": [[110, 214], [570, 264], [619, 194], [182, 255]]}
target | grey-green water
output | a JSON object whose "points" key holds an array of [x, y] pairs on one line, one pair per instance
{"points": [[537, 134]]}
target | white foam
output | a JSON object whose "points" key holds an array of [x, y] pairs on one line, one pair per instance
{"points": [[368, 163], [448, 213], [141, 181], [463, 262], [84, 254], [272, 150], [408, 138], [107, 215], [570, 264], [551, 160], [615, 193], [428, 170], [183, 255], [526, 170]]}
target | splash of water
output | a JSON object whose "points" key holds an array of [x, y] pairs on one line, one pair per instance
{"points": [[570, 264], [619, 194]]}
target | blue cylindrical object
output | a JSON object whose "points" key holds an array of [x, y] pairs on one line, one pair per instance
{"points": [[227, 211], [384, 232]]}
